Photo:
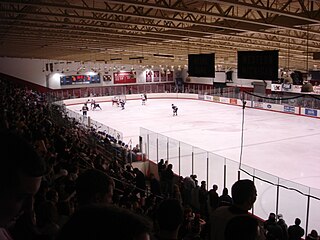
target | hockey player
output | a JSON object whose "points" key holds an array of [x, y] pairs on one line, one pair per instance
{"points": [[96, 105], [115, 100], [174, 110], [93, 102], [122, 103], [143, 98], [84, 109]]}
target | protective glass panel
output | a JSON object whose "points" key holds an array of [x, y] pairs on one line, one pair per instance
{"points": [[163, 147], [266, 185], [152, 151], [174, 154], [185, 159], [293, 204], [314, 213], [200, 164], [216, 171], [232, 168]]}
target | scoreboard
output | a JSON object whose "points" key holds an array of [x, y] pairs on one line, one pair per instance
{"points": [[79, 79]]}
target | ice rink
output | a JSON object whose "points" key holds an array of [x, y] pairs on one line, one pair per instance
{"points": [[281, 144]]}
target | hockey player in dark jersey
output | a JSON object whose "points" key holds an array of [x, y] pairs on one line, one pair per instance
{"points": [[84, 109], [122, 103], [174, 110], [143, 98], [95, 106]]}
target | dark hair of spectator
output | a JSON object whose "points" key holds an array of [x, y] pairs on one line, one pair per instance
{"points": [[90, 183], [17, 156], [104, 222], [169, 214], [242, 190]]}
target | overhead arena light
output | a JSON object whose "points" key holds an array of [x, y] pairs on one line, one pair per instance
{"points": [[136, 58], [163, 55]]}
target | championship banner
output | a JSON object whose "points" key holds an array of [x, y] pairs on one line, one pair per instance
{"points": [[148, 76], [156, 76], [163, 76], [124, 77], [170, 76]]}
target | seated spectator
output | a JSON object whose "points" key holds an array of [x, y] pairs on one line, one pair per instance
{"points": [[94, 187], [244, 195], [47, 220], [169, 217], [105, 222], [21, 170]]}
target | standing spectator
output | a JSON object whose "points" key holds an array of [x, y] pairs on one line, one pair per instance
{"points": [[225, 199], [140, 182], [272, 230], [203, 198], [188, 186], [161, 168], [244, 194], [213, 197], [168, 180], [283, 226], [154, 185], [295, 232]]}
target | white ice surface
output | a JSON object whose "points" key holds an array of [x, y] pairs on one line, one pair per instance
{"points": [[280, 144]]}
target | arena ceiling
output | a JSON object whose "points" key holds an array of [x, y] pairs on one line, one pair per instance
{"points": [[160, 32]]}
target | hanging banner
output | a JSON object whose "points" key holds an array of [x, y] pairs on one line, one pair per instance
{"points": [[163, 76], [156, 76], [124, 77], [148, 76], [170, 76]]}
